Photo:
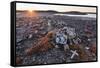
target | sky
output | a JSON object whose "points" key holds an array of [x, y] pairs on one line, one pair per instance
{"points": [[59, 8]]}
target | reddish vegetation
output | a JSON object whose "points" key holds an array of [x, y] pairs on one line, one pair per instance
{"points": [[80, 51], [43, 45], [83, 56], [93, 48], [18, 60]]}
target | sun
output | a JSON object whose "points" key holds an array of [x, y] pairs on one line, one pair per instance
{"points": [[30, 10], [31, 13]]}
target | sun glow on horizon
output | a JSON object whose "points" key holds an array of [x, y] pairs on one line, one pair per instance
{"points": [[31, 12]]}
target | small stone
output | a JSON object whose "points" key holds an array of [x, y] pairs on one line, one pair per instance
{"points": [[45, 62], [87, 48], [33, 58], [30, 36]]}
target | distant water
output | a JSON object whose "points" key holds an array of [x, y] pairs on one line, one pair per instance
{"points": [[46, 14], [87, 15]]}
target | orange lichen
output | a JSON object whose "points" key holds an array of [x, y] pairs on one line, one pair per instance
{"points": [[43, 44], [82, 55], [80, 51]]}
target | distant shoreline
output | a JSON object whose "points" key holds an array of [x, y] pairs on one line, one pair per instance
{"points": [[51, 11]]}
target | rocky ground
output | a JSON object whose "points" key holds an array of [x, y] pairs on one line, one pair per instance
{"points": [[30, 29]]}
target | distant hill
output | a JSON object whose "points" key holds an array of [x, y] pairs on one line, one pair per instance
{"points": [[75, 12], [52, 11]]}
